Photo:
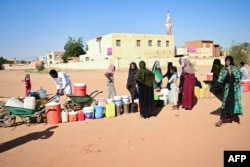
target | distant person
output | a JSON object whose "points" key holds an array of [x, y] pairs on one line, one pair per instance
{"points": [[27, 81], [229, 80], [187, 79], [158, 76], [131, 83], [216, 68], [173, 95], [243, 71], [145, 79], [111, 91], [63, 83]]}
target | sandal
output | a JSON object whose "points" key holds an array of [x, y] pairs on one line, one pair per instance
{"points": [[219, 123]]}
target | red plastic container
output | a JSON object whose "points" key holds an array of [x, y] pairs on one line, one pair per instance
{"points": [[53, 113], [80, 89], [209, 76], [246, 85], [81, 116]]}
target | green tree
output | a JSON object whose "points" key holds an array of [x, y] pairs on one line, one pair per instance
{"points": [[73, 48], [240, 52]]}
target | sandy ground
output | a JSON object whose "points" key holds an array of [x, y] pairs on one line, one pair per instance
{"points": [[172, 138]]}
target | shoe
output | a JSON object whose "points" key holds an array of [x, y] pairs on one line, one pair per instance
{"points": [[175, 107]]}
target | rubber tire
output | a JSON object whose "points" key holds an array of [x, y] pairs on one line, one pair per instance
{"points": [[10, 120]]}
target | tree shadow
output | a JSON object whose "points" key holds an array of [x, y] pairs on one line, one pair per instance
{"points": [[216, 112], [27, 138]]}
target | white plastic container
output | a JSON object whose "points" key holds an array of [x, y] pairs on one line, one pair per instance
{"points": [[14, 102], [29, 102], [65, 116]]}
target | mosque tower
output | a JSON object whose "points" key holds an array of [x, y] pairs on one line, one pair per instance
{"points": [[168, 24]]}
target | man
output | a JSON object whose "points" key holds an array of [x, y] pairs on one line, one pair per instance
{"points": [[63, 82], [243, 71]]}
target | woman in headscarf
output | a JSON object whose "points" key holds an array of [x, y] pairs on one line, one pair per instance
{"points": [[229, 79], [187, 84], [168, 73], [158, 75], [131, 83], [217, 66], [111, 92], [145, 79]]}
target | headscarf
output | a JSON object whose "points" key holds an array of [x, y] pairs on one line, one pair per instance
{"points": [[157, 72], [169, 74], [188, 67], [131, 74], [111, 68], [27, 76], [144, 75], [216, 68]]}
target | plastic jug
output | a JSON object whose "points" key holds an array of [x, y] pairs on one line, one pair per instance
{"points": [[65, 116], [42, 93]]}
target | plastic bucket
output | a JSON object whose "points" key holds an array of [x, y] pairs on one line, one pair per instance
{"points": [[99, 111], [80, 115], [65, 116], [118, 108], [209, 76], [89, 112], [80, 89], [53, 113], [126, 108]]}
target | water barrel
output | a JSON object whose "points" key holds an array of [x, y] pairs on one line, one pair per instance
{"points": [[73, 116], [53, 113], [80, 89], [29, 102], [65, 116], [209, 76], [99, 111]]}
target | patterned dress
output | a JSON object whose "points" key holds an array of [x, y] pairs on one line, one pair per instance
{"points": [[231, 103]]}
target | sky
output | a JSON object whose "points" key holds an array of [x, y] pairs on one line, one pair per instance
{"points": [[32, 28]]}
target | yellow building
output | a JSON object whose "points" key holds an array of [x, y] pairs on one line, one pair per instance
{"points": [[130, 46]]}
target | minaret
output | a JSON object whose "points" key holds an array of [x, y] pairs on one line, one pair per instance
{"points": [[168, 24]]}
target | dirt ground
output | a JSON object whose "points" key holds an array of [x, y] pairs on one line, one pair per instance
{"points": [[172, 138]]}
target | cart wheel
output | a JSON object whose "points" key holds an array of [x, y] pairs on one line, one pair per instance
{"points": [[6, 119], [39, 118]]}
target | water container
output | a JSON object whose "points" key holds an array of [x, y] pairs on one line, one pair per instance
{"points": [[138, 104], [110, 100], [65, 116], [164, 92], [133, 107], [202, 93], [80, 89], [99, 111], [110, 110], [209, 76], [89, 112], [196, 92], [102, 101], [14, 102], [29, 102], [126, 108], [53, 113], [118, 100], [245, 84], [164, 99], [118, 109], [80, 116], [73, 116], [125, 99], [42, 93]]}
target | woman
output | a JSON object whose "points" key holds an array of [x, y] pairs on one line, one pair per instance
{"points": [[158, 75], [229, 79], [217, 66], [187, 83], [131, 83], [168, 74], [145, 79], [173, 97]]}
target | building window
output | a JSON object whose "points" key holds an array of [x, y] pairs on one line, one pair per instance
{"points": [[138, 43], [167, 43], [118, 42], [159, 43], [150, 43]]}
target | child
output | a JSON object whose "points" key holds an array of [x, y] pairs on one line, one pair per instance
{"points": [[111, 92], [27, 84], [173, 95]]}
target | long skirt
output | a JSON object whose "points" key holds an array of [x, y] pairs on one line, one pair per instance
{"points": [[188, 91], [146, 100]]}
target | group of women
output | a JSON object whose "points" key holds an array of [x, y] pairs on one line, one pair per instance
{"points": [[142, 83]]}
